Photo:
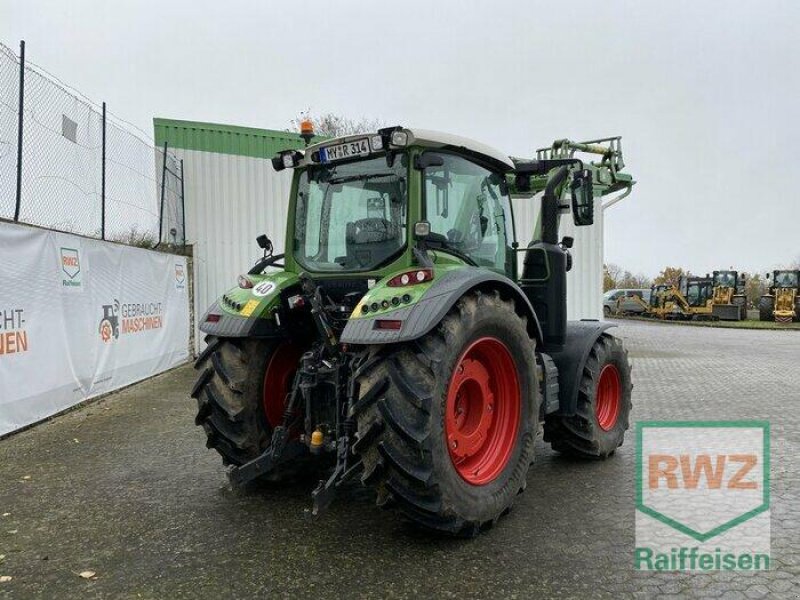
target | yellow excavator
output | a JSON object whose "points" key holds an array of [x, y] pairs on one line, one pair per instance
{"points": [[690, 299], [782, 301]]}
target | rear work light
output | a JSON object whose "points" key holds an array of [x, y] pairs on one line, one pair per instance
{"points": [[388, 324], [245, 283], [411, 278]]}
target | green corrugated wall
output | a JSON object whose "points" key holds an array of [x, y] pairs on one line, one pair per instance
{"points": [[224, 139]]}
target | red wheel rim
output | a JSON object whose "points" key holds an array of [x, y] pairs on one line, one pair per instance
{"points": [[609, 397], [278, 381], [482, 411]]}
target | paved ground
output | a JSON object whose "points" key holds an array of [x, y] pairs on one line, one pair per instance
{"points": [[125, 488]]}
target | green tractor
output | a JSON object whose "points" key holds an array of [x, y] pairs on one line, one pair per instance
{"points": [[394, 342]]}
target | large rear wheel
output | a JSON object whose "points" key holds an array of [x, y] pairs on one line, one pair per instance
{"points": [[446, 424], [598, 427], [240, 394]]}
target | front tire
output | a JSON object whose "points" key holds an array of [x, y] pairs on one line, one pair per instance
{"points": [[446, 424], [598, 427]]}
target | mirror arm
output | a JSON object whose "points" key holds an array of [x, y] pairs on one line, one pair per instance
{"points": [[550, 206], [264, 262]]}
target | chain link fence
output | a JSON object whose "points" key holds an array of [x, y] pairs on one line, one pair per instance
{"points": [[81, 170]]}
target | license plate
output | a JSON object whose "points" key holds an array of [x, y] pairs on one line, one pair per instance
{"points": [[342, 151]]}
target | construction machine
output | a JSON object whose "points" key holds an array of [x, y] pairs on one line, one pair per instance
{"points": [[729, 302], [396, 346], [690, 299], [698, 294], [781, 303]]}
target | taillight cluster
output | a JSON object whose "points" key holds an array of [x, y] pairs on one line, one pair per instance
{"points": [[411, 278]]}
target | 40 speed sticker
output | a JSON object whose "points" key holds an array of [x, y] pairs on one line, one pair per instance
{"points": [[265, 288]]}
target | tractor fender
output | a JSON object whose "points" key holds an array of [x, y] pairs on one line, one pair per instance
{"points": [[419, 318], [581, 336], [250, 312]]}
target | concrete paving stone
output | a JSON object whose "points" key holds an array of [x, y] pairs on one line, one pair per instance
{"points": [[140, 501]]}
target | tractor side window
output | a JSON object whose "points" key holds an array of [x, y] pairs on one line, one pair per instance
{"points": [[312, 209], [468, 209]]}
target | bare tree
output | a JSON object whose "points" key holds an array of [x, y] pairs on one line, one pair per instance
{"points": [[671, 276], [333, 125], [754, 288], [630, 281], [611, 275]]}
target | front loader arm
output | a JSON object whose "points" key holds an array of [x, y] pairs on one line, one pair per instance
{"points": [[531, 176]]}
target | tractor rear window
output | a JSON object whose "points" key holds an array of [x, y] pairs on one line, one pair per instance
{"points": [[351, 216]]}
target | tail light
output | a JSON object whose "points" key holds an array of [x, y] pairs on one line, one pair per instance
{"points": [[213, 318], [245, 283], [411, 278]]}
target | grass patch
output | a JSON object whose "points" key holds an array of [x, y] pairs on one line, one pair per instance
{"points": [[720, 324]]}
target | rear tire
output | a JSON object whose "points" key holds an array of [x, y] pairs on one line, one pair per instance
{"points": [[604, 404], [406, 430], [766, 306], [230, 398]]}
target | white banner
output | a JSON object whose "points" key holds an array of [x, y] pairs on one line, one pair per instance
{"points": [[82, 317]]}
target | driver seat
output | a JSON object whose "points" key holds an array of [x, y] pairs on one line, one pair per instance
{"points": [[371, 240]]}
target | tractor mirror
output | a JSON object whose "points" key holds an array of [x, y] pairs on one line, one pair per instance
{"points": [[582, 198], [428, 159], [264, 242]]}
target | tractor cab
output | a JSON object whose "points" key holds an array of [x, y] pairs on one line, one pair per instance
{"points": [[729, 301], [782, 300], [726, 284], [697, 290], [367, 208]]}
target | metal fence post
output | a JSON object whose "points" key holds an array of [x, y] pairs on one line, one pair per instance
{"points": [[183, 205], [19, 127], [163, 183], [103, 180]]}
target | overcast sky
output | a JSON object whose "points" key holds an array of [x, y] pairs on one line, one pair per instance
{"points": [[705, 94]]}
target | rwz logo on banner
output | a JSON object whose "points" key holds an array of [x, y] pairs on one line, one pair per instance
{"points": [[180, 276], [71, 266]]}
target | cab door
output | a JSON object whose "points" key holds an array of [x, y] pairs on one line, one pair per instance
{"points": [[469, 209]]}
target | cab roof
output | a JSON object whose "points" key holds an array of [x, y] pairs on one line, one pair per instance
{"points": [[434, 139]]}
